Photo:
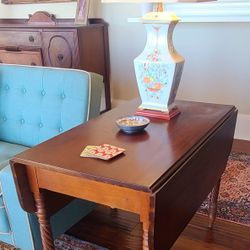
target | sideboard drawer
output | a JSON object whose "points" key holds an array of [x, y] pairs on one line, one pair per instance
{"points": [[33, 58], [20, 38]]}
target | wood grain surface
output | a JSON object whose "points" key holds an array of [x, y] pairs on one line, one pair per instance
{"points": [[126, 227], [165, 174], [149, 156]]}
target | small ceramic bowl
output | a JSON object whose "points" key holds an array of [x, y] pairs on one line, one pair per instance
{"points": [[132, 124]]}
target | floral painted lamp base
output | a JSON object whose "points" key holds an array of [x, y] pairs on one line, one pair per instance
{"points": [[158, 69]]}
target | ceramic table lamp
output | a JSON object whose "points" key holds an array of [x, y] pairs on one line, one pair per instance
{"points": [[159, 67]]}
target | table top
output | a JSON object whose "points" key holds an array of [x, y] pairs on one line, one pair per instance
{"points": [[150, 157]]}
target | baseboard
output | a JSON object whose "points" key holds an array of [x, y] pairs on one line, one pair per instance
{"points": [[242, 130]]}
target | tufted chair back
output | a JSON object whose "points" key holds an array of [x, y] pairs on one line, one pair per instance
{"points": [[37, 103]]}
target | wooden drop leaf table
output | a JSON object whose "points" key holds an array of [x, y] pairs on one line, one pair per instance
{"points": [[164, 175]]}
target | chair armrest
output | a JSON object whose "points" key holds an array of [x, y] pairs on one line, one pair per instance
{"points": [[97, 87]]}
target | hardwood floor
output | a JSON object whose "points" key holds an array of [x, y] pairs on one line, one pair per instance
{"points": [[113, 228], [224, 235]]}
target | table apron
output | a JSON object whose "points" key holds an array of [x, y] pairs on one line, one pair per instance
{"points": [[99, 192]]}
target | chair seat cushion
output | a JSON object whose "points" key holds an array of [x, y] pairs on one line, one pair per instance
{"points": [[7, 151]]}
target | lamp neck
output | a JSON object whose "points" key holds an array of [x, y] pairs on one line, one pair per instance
{"points": [[159, 7], [159, 39]]}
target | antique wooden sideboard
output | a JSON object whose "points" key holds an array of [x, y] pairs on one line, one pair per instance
{"points": [[57, 43]]}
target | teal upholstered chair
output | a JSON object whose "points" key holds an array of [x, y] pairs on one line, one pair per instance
{"points": [[37, 103]]}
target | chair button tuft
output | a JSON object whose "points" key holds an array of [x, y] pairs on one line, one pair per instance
{"points": [[24, 91], [7, 87], [4, 118], [60, 129], [63, 96], [43, 92], [40, 125], [22, 121]]}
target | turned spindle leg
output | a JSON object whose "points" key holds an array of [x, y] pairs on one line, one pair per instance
{"points": [[46, 235], [147, 216], [145, 245], [213, 205]]}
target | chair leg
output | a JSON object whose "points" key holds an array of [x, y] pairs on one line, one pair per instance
{"points": [[212, 209]]}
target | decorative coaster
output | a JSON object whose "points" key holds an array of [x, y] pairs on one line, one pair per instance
{"points": [[104, 151]]}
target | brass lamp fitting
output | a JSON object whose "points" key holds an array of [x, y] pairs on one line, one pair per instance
{"points": [[159, 7]]}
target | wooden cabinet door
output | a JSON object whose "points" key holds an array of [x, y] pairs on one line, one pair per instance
{"points": [[61, 49]]}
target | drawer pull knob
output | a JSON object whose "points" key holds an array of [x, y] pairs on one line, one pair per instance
{"points": [[33, 64], [31, 39], [60, 57]]}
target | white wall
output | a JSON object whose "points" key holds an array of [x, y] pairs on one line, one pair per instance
{"points": [[217, 55], [61, 10]]}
